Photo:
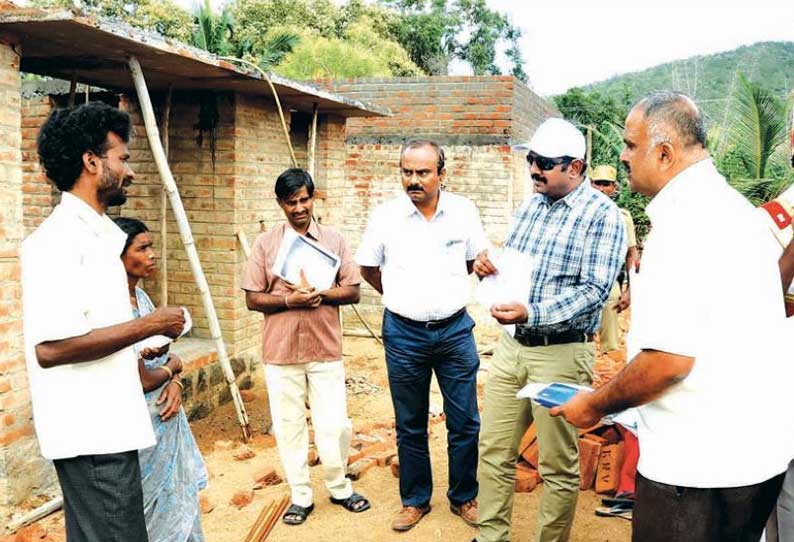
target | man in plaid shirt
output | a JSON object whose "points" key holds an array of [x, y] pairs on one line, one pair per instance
{"points": [[577, 241]]}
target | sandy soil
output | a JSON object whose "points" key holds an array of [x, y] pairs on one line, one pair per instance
{"points": [[219, 440]]}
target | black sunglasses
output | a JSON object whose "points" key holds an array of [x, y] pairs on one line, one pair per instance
{"points": [[544, 163], [603, 183]]}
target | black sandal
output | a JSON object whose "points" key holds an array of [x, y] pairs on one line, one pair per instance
{"points": [[295, 514], [351, 504]]}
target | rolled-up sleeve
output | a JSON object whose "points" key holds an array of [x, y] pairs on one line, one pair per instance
{"points": [[255, 275], [349, 274], [371, 250]]}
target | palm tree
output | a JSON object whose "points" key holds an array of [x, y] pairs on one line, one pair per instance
{"points": [[213, 33], [757, 131]]}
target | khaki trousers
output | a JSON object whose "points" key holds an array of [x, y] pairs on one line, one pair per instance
{"points": [[323, 383], [609, 334], [505, 420]]}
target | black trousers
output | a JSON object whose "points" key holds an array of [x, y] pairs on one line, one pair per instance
{"points": [[664, 513], [102, 497]]}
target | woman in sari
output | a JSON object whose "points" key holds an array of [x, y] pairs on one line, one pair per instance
{"points": [[172, 471]]}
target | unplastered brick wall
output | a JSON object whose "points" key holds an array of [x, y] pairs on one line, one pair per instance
{"points": [[475, 119], [22, 469], [37, 191]]}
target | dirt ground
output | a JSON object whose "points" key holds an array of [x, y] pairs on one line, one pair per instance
{"points": [[219, 439]]}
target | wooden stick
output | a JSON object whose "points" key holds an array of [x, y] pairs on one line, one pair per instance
{"points": [[244, 244], [166, 120], [36, 514], [310, 166], [273, 519], [73, 88], [265, 512], [187, 239]]}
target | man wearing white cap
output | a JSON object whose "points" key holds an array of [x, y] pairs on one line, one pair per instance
{"points": [[577, 240]]}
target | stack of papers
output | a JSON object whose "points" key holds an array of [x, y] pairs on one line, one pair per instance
{"points": [[298, 253], [511, 284], [158, 341]]}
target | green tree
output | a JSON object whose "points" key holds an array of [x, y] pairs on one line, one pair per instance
{"points": [[436, 32], [213, 32], [754, 161], [161, 16], [604, 117]]}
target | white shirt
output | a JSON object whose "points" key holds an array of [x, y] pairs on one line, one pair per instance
{"points": [[709, 288], [73, 281], [423, 262]]}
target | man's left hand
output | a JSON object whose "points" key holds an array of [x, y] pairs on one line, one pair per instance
{"points": [[624, 301], [171, 399], [579, 411], [510, 313]]}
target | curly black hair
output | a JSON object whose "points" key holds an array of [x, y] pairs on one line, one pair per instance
{"points": [[71, 131]]}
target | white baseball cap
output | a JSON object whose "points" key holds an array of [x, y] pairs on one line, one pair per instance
{"points": [[555, 138]]}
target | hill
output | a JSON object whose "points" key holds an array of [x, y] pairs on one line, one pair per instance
{"points": [[709, 79]]}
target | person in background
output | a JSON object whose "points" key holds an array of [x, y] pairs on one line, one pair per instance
{"points": [[172, 471], [604, 179]]}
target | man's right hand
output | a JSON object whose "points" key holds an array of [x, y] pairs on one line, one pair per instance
{"points": [[483, 266], [304, 299], [170, 321]]}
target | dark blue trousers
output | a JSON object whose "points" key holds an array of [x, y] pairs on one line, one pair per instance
{"points": [[413, 353]]}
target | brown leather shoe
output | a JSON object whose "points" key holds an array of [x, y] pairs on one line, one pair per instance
{"points": [[467, 512], [408, 517]]}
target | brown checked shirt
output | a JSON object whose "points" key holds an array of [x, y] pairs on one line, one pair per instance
{"points": [[298, 335]]}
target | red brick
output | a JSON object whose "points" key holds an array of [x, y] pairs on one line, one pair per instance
{"points": [[242, 498], [609, 465], [360, 467], [589, 453]]}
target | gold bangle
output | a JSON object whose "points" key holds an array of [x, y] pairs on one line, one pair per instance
{"points": [[168, 370], [178, 383]]}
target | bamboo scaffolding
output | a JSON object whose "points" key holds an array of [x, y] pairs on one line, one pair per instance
{"points": [[166, 121], [187, 238], [312, 150]]}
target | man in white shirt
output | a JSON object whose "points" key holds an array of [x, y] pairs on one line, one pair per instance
{"points": [[418, 250], [88, 406], [706, 343]]}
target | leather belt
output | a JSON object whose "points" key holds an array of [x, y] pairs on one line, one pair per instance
{"points": [[431, 324], [527, 338]]}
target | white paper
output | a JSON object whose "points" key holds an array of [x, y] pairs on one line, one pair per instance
{"points": [[158, 341], [297, 253], [511, 284]]}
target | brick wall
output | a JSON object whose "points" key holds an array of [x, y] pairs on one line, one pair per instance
{"points": [[22, 470], [37, 191]]}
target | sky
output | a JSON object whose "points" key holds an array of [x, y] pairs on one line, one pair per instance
{"points": [[568, 43]]}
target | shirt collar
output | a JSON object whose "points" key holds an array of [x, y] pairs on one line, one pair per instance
{"points": [[574, 197], [99, 224], [313, 231], [677, 187], [410, 209]]}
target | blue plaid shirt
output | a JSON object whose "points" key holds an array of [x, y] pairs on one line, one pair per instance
{"points": [[578, 244]]}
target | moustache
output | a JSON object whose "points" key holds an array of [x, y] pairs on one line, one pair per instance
{"points": [[538, 178], [417, 187]]}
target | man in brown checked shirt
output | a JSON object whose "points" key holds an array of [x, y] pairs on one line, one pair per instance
{"points": [[302, 351]]}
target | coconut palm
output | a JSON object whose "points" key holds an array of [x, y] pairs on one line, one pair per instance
{"points": [[213, 32]]}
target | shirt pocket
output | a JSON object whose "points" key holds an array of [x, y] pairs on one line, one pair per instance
{"points": [[453, 252]]}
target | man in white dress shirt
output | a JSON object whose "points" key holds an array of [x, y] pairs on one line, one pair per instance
{"points": [[418, 250], [706, 344], [88, 406]]}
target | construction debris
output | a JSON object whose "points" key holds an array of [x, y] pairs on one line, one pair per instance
{"points": [[357, 385]]}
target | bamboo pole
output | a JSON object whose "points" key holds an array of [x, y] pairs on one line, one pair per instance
{"points": [[244, 244], [266, 77], [166, 121], [36, 514], [187, 238], [73, 88], [310, 166]]}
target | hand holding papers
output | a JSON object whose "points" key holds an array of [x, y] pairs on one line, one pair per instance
{"points": [[558, 393], [158, 341], [299, 254], [512, 282]]}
